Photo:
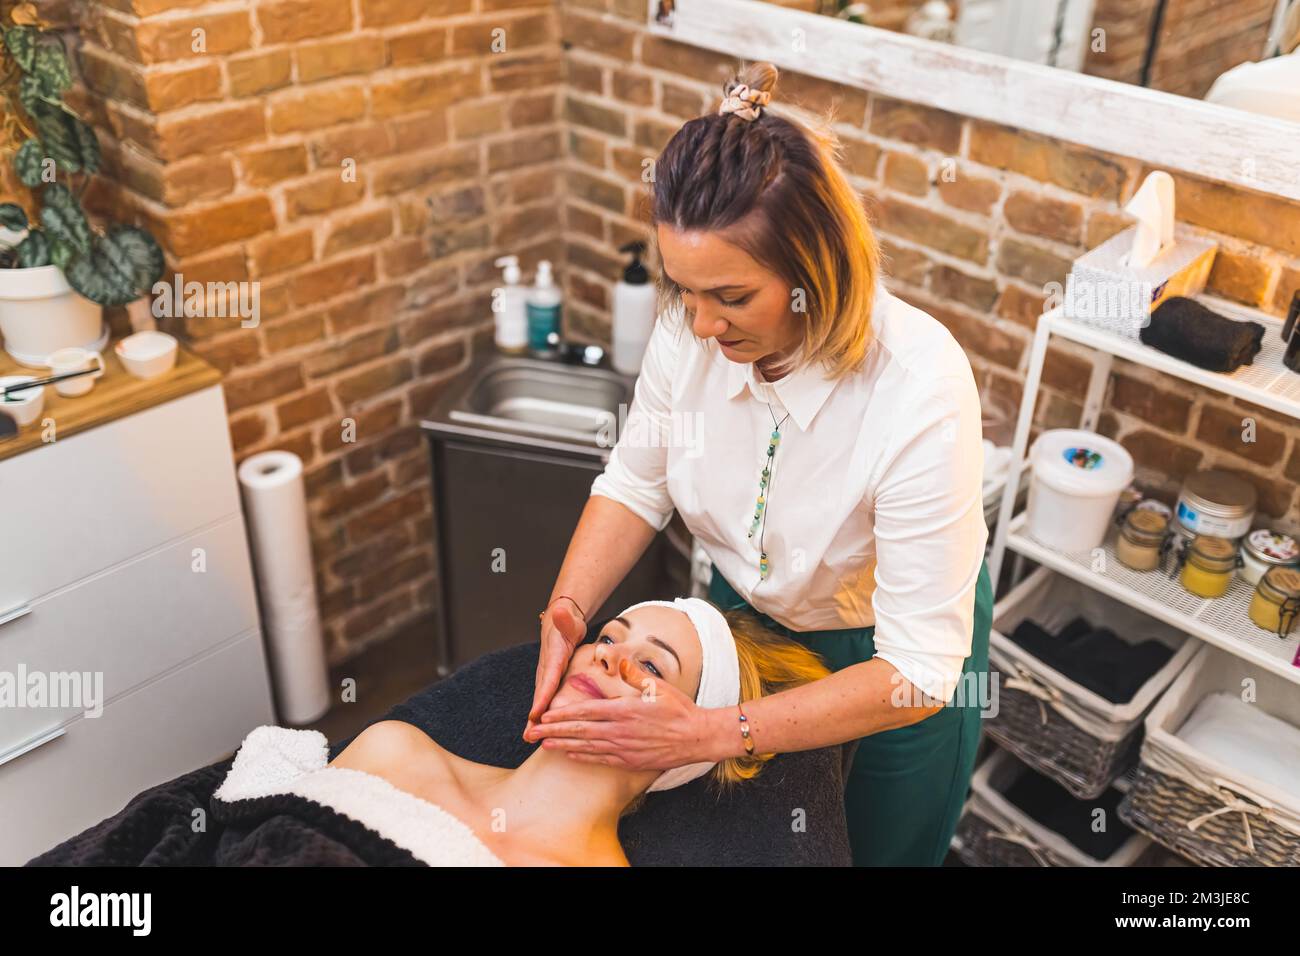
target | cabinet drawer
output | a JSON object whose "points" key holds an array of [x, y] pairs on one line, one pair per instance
{"points": [[180, 723], [89, 501], [131, 623]]}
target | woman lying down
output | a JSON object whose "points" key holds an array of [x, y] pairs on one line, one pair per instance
{"points": [[393, 796]]}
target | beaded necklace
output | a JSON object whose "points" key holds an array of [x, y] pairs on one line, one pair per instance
{"points": [[759, 523]]}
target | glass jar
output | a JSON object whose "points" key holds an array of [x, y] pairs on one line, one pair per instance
{"points": [[1210, 563], [1139, 542], [1263, 549], [1276, 602]]}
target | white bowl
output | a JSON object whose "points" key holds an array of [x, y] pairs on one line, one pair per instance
{"points": [[147, 354], [23, 407]]}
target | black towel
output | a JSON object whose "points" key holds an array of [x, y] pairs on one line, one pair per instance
{"points": [[1094, 658], [1187, 330], [1050, 804], [1051, 649], [1114, 668]]}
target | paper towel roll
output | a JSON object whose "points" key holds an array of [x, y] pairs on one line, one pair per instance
{"points": [[276, 506]]}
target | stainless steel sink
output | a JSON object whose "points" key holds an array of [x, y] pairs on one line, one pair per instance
{"points": [[515, 445], [549, 401]]}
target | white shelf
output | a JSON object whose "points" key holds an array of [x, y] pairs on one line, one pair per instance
{"points": [[1266, 381], [1222, 622]]}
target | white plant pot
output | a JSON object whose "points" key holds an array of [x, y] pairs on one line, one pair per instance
{"points": [[40, 313]]}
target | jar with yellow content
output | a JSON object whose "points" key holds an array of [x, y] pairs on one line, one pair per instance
{"points": [[1210, 564], [1139, 543], [1276, 601]]}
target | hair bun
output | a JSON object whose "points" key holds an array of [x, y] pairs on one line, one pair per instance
{"points": [[747, 93]]}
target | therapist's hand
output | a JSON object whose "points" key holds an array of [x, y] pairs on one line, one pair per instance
{"points": [[562, 630], [657, 729]]}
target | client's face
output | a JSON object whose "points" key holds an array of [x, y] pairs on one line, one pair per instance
{"points": [[659, 644]]}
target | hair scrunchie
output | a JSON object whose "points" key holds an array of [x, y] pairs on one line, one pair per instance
{"points": [[745, 102]]}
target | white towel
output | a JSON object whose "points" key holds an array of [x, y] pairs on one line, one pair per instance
{"points": [[1242, 736], [276, 760]]}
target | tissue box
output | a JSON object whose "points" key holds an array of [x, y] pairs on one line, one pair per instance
{"points": [[1101, 291]]}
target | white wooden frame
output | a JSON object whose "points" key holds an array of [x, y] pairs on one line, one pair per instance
{"points": [[1173, 132]]}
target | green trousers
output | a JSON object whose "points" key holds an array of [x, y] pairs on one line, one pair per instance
{"points": [[907, 786]]}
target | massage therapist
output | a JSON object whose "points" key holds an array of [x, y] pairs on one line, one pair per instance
{"points": [[833, 474]]}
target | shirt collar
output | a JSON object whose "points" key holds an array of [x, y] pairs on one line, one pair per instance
{"points": [[802, 392]]}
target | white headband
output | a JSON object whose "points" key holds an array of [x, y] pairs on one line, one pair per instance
{"points": [[719, 673]]}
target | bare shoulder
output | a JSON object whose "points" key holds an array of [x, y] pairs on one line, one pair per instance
{"points": [[406, 756], [389, 744]]}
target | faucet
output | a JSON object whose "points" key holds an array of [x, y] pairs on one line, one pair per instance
{"points": [[570, 353]]}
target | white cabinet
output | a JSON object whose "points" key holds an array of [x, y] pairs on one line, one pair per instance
{"points": [[124, 569]]}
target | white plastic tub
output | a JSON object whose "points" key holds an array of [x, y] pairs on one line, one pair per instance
{"points": [[1074, 487]]}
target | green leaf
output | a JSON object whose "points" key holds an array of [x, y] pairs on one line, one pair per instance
{"points": [[87, 144], [135, 254], [122, 266], [61, 254], [62, 218], [34, 250], [21, 41], [68, 141], [29, 163], [13, 217], [31, 93], [96, 277], [83, 275], [50, 66]]}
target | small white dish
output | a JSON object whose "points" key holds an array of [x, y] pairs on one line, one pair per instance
{"points": [[75, 360], [24, 407], [147, 354]]}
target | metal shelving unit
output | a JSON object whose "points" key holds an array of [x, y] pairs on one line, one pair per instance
{"points": [[1221, 621]]}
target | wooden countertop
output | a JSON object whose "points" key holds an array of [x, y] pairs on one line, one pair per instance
{"points": [[117, 393]]}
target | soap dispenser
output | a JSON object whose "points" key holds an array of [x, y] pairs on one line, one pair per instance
{"points": [[544, 304], [634, 312], [510, 310]]}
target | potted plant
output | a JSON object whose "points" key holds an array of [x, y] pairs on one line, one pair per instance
{"points": [[57, 269]]}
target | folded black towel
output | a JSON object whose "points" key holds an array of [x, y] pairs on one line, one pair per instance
{"points": [[1094, 658], [1187, 330], [1074, 630], [1051, 649], [1050, 804], [1114, 668]]}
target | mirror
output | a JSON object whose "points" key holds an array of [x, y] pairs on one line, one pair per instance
{"points": [[1243, 54], [1239, 129]]}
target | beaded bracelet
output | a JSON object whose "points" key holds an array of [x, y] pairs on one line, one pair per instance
{"points": [[542, 614], [744, 732]]}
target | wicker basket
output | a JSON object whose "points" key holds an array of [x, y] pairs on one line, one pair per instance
{"points": [[994, 832], [1208, 812], [1060, 728]]}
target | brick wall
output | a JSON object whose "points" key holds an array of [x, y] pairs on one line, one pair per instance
{"points": [[364, 161], [977, 252]]}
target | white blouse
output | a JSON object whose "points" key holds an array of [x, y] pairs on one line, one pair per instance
{"points": [[874, 506]]}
